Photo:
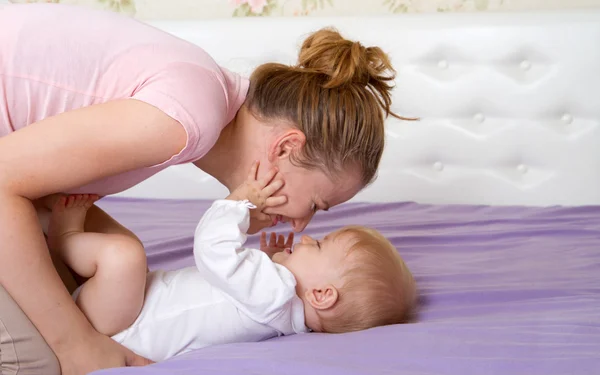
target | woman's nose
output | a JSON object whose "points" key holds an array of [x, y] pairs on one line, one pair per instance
{"points": [[300, 224]]}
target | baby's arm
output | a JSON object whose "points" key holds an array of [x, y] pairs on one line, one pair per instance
{"points": [[256, 285]]}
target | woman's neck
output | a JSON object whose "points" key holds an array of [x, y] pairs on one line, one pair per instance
{"points": [[239, 144]]}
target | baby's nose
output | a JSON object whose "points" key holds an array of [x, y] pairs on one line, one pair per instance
{"points": [[306, 239]]}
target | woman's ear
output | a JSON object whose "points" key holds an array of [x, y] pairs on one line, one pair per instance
{"points": [[287, 142], [322, 298]]}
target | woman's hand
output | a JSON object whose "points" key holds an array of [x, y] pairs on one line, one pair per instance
{"points": [[276, 244], [96, 352], [259, 192]]}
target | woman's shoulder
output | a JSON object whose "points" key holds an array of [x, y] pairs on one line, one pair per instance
{"points": [[202, 100], [100, 56], [99, 40]]}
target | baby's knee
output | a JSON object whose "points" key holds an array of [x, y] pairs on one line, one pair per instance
{"points": [[124, 254]]}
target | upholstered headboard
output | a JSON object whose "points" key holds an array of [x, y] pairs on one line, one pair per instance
{"points": [[509, 102]]}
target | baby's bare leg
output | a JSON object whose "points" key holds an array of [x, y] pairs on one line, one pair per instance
{"points": [[115, 264]]}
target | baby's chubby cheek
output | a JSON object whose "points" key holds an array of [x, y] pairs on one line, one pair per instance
{"points": [[279, 257]]}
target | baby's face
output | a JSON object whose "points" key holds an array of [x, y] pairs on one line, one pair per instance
{"points": [[316, 263]]}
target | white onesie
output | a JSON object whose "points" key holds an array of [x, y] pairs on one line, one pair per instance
{"points": [[234, 294]]}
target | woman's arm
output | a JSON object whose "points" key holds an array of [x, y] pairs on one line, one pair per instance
{"points": [[55, 155]]}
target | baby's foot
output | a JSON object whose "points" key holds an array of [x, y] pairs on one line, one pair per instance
{"points": [[68, 215], [50, 200]]}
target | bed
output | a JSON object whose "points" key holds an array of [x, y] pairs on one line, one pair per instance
{"points": [[493, 198]]}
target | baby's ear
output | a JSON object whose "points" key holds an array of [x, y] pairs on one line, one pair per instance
{"points": [[322, 298]]}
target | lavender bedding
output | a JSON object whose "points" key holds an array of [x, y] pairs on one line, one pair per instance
{"points": [[504, 290]]}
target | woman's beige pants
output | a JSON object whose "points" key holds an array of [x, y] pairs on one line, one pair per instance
{"points": [[23, 350]]}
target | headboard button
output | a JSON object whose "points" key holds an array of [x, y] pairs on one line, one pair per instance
{"points": [[525, 65], [522, 168], [567, 118], [479, 118]]}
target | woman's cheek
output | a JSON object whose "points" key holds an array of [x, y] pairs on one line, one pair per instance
{"points": [[292, 210]]}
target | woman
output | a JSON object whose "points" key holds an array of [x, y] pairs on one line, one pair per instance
{"points": [[94, 102]]}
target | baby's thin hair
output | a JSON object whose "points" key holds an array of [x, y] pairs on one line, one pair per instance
{"points": [[378, 288]]}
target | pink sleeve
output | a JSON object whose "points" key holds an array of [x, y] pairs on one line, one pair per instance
{"points": [[195, 97]]}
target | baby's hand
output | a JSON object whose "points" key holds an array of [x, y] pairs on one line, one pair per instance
{"points": [[276, 244], [259, 192]]}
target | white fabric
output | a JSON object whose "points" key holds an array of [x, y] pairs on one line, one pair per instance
{"points": [[235, 294], [508, 101]]}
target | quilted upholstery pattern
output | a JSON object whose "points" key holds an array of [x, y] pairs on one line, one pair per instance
{"points": [[509, 103]]}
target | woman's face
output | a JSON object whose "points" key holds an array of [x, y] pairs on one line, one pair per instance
{"points": [[309, 191]]}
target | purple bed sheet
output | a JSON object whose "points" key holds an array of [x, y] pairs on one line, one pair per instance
{"points": [[504, 290]]}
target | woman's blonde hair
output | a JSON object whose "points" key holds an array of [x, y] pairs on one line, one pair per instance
{"points": [[338, 95]]}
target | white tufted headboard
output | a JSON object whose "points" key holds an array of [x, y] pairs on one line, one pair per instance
{"points": [[510, 103]]}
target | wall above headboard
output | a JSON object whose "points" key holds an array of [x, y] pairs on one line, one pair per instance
{"points": [[207, 9]]}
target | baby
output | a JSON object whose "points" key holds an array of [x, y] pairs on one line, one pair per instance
{"points": [[351, 280]]}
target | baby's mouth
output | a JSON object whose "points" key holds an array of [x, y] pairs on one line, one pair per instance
{"points": [[279, 219]]}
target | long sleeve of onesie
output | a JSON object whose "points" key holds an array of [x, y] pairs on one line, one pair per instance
{"points": [[261, 289]]}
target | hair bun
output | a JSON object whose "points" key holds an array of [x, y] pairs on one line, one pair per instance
{"points": [[343, 61]]}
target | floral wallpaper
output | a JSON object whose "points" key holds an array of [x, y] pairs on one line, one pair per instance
{"points": [[194, 9]]}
